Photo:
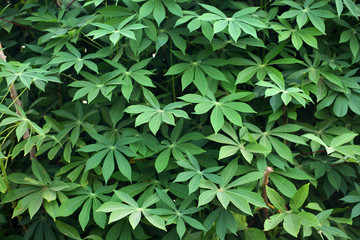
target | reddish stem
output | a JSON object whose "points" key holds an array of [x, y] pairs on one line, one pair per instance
{"points": [[14, 23], [300, 154], [287, 209], [334, 165], [250, 224], [70, 4], [193, 38]]}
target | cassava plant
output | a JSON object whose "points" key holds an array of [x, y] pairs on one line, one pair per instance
{"points": [[179, 119]]}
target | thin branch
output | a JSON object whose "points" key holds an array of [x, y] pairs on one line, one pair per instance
{"points": [[18, 104], [300, 154], [267, 172], [334, 165], [70, 4], [16, 24]]}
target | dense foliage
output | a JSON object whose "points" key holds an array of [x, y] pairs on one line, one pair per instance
{"points": [[168, 119]]}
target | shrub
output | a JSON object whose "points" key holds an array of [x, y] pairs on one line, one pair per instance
{"points": [[167, 119]]}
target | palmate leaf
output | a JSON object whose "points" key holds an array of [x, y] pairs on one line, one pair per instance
{"points": [[263, 68], [158, 9], [128, 77], [93, 87], [178, 214], [298, 36], [155, 115], [286, 94], [87, 200], [224, 107], [195, 174], [240, 198], [240, 21], [73, 58], [123, 29], [76, 123], [310, 11], [33, 191], [350, 5], [195, 71], [110, 151], [120, 210], [246, 147]]}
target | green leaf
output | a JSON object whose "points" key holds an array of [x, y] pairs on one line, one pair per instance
{"points": [[217, 118], [342, 139], [206, 196], [275, 199], [292, 224], [227, 151], [40, 172], [308, 219], [355, 212], [84, 215], [162, 160], [155, 122], [35, 203], [67, 230], [156, 221], [239, 202], [332, 78], [123, 165], [251, 197], [273, 221], [281, 149], [180, 227], [246, 74], [283, 185], [114, 206], [299, 197], [151, 98], [95, 160], [254, 234], [194, 223], [20, 130], [177, 68], [165, 198], [108, 166], [134, 219], [70, 205], [229, 171], [18, 193], [247, 178]]}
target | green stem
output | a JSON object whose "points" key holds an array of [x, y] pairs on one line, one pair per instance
{"points": [[68, 76], [3, 172], [14, 126], [92, 40], [7, 92], [17, 97], [7, 129], [14, 101]]}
